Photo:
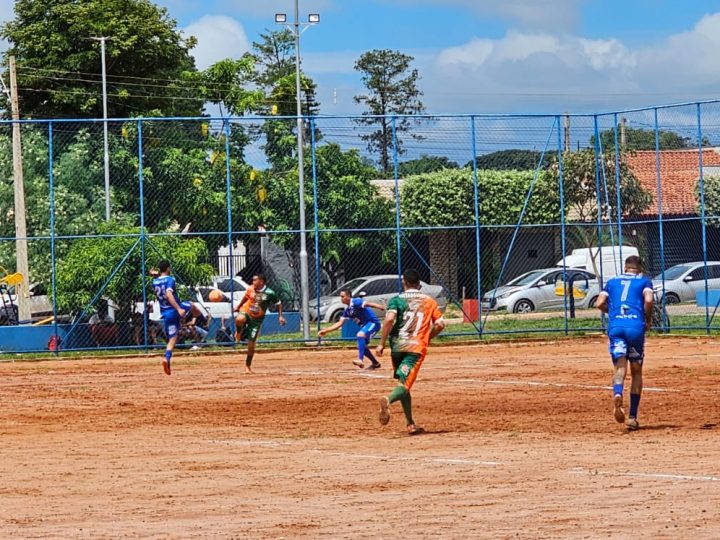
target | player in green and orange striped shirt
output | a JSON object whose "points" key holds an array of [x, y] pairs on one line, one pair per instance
{"points": [[412, 320]]}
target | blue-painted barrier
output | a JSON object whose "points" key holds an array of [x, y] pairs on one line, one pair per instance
{"points": [[712, 299], [19, 339]]}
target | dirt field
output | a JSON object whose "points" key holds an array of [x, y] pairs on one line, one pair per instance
{"points": [[521, 443]]}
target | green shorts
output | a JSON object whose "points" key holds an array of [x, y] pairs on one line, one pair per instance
{"points": [[251, 330], [406, 366]]}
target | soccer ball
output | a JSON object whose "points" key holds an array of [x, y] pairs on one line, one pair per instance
{"points": [[216, 295]]}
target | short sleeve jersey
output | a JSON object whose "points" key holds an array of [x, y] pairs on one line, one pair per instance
{"points": [[415, 314], [257, 302], [626, 302], [359, 312], [163, 287]]}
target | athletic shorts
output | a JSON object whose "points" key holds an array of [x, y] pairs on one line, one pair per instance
{"points": [[406, 367], [370, 329], [171, 319], [628, 341], [251, 330]]}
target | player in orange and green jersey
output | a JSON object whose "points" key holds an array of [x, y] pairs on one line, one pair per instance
{"points": [[251, 314], [412, 320]]}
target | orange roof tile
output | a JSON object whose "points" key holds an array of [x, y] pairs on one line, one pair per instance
{"points": [[679, 172]]}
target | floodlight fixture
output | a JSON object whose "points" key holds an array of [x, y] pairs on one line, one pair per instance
{"points": [[314, 18], [280, 18]]}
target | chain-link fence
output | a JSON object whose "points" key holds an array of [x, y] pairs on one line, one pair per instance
{"points": [[514, 222]]}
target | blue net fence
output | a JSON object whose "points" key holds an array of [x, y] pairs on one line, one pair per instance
{"points": [[513, 221]]}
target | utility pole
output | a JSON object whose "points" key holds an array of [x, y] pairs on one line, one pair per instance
{"points": [[566, 132], [106, 152], [21, 251]]}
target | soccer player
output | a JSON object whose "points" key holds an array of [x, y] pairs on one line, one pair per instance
{"points": [[412, 320], [172, 310], [251, 314], [628, 301], [359, 310]]}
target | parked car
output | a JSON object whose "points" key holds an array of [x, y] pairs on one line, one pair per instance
{"points": [[684, 281], [607, 260], [378, 289], [39, 302], [536, 290], [233, 287]]}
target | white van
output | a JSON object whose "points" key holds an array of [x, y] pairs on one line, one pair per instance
{"points": [[608, 258]]}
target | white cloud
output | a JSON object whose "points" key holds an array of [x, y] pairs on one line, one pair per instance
{"points": [[218, 37]]}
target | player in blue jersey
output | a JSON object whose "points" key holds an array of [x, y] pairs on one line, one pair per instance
{"points": [[359, 311], [172, 310], [628, 300]]}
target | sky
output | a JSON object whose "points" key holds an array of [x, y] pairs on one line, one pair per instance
{"points": [[489, 56]]}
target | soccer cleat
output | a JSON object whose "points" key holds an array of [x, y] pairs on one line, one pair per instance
{"points": [[384, 411], [618, 408], [359, 363], [166, 366], [632, 424], [374, 366]]}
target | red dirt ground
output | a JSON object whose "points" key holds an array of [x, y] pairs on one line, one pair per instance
{"points": [[521, 444]]}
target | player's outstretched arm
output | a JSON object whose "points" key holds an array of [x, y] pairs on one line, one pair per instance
{"points": [[374, 305], [386, 328], [332, 328]]}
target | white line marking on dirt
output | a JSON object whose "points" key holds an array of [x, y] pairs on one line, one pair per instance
{"points": [[447, 461], [662, 476], [557, 385]]}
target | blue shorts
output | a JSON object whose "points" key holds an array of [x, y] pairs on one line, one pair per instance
{"points": [[171, 319], [628, 341], [370, 329]]}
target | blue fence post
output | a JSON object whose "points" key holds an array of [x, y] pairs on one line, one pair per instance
{"points": [[598, 157], [397, 201], [316, 226], [143, 271], [660, 215], [561, 187], [702, 214], [476, 204], [228, 203], [53, 262]]}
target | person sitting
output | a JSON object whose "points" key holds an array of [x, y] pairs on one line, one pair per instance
{"points": [[102, 326]]}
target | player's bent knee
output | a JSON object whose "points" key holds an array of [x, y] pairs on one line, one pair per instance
{"points": [[360, 334]]}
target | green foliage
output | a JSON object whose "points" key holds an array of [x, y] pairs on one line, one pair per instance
{"points": [[425, 164], [50, 39], [508, 160], [346, 200], [392, 90], [712, 199], [642, 139], [91, 261], [225, 84], [445, 198]]}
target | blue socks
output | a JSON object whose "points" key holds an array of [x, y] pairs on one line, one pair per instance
{"points": [[168, 354], [364, 350], [634, 403], [617, 389]]}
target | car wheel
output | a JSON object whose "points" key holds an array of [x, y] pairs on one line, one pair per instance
{"points": [[672, 298], [335, 316], [523, 306], [592, 302]]}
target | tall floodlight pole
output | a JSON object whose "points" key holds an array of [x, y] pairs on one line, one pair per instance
{"points": [[106, 153], [313, 18]]}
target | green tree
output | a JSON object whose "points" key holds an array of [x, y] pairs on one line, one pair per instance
{"points": [[425, 164], [226, 84], [508, 160], [644, 139], [274, 59], [90, 262], [392, 90], [712, 199], [59, 65], [346, 200]]}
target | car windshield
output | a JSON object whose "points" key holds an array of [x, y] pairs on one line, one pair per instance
{"points": [[352, 285], [527, 279], [674, 272]]}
